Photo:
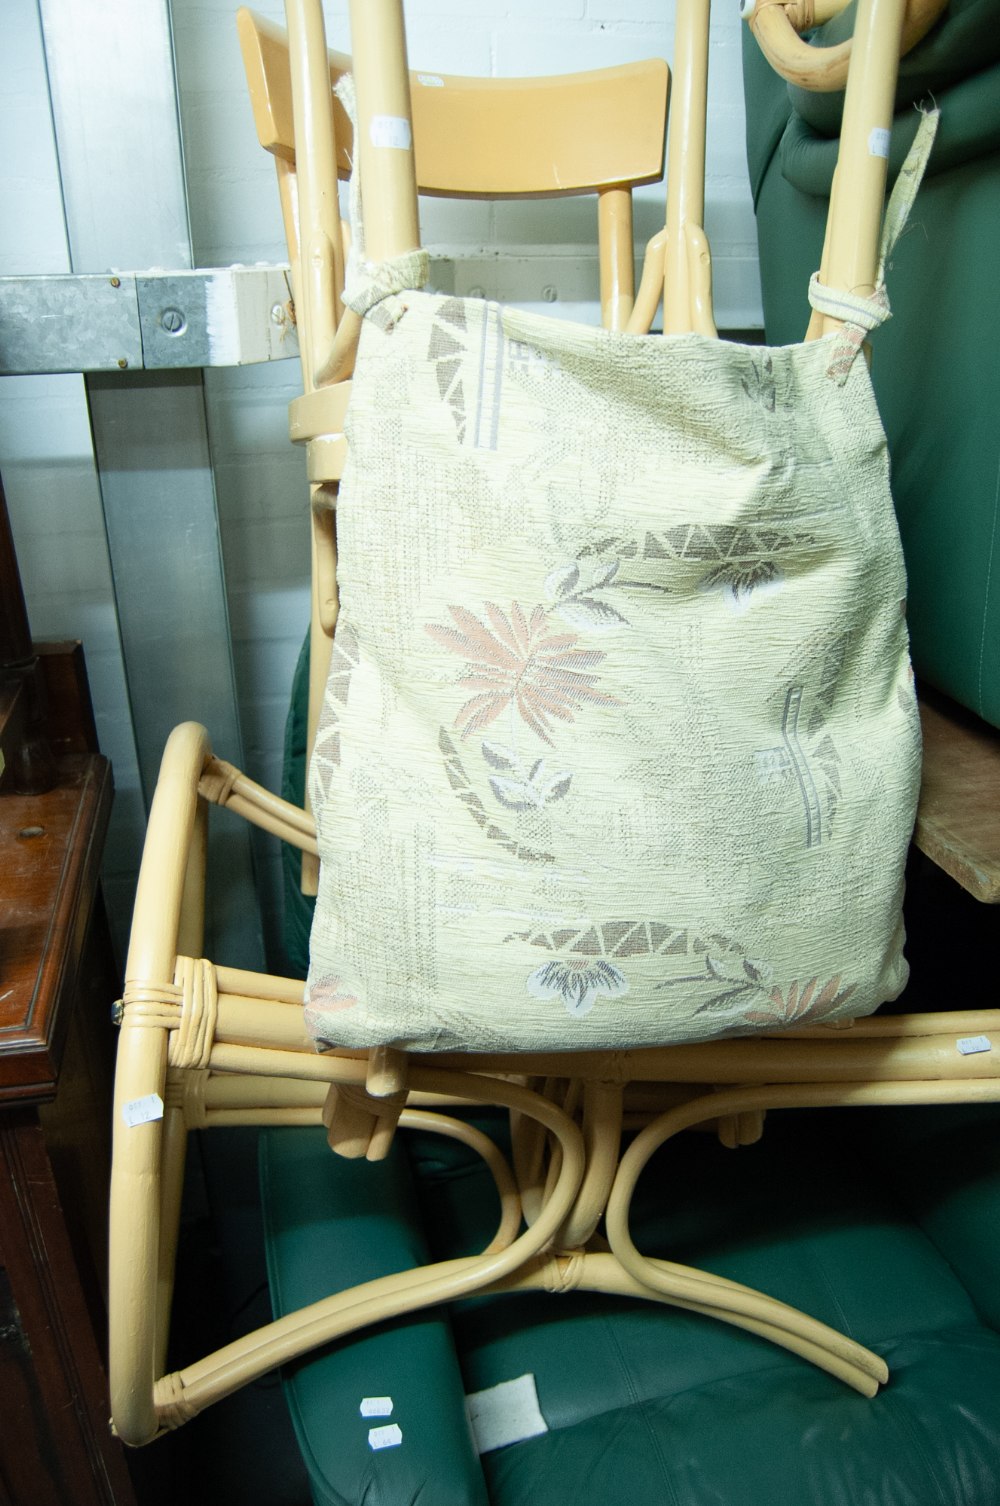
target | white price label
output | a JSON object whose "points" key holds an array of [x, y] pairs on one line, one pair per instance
{"points": [[390, 1436], [391, 130], [878, 142], [376, 1406], [143, 1110], [969, 1045]]}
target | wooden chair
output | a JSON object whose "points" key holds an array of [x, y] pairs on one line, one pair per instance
{"points": [[203, 1045]]}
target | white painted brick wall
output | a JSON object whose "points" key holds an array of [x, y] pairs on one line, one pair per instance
{"points": [[260, 479]]}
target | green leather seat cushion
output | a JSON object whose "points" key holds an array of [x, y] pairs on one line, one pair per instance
{"points": [[891, 1236]]}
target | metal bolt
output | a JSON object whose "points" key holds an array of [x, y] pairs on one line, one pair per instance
{"points": [[549, 293], [477, 292], [123, 363], [116, 282], [173, 321]]}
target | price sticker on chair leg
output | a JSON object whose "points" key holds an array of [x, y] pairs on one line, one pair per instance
{"points": [[142, 1110], [970, 1045], [391, 130]]}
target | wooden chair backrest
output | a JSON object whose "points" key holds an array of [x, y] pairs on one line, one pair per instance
{"points": [[493, 138], [489, 138]]}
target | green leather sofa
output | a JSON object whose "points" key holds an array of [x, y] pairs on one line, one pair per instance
{"points": [[936, 370], [885, 1223]]}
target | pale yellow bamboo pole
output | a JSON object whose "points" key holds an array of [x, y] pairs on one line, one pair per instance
{"points": [[686, 306], [796, 1059], [805, 14], [234, 980], [223, 1093], [267, 1118], [182, 1395], [682, 1281], [384, 134], [384, 158], [318, 295], [237, 787], [140, 1078], [599, 1272], [191, 926], [602, 1133], [503, 1178], [321, 250], [650, 293], [568, 1095], [153, 943], [289, 199], [172, 1188], [858, 193], [267, 1025], [617, 264], [528, 1154]]}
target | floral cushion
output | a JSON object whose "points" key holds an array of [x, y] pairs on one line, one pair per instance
{"points": [[620, 744]]}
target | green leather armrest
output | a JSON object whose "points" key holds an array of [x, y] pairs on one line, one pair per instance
{"points": [[330, 1224]]}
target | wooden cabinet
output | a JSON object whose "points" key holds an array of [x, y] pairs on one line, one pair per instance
{"points": [[56, 984]]}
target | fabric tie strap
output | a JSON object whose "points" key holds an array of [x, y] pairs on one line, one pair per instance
{"points": [[372, 289], [862, 315]]}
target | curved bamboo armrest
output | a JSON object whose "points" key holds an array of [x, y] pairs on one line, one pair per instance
{"points": [[821, 69]]}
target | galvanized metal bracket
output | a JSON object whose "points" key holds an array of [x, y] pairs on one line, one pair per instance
{"points": [[152, 321]]}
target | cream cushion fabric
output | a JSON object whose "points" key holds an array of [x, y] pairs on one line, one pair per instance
{"points": [[620, 744]]}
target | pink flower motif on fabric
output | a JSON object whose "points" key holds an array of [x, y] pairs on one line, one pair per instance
{"points": [[516, 661], [328, 996]]}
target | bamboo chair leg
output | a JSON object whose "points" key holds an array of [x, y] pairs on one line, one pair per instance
{"points": [[182, 1395], [191, 928], [136, 1252], [362, 1121], [600, 1272], [172, 1182], [614, 214], [728, 1299], [602, 1129]]}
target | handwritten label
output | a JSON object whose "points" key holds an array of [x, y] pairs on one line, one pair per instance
{"points": [[390, 1436], [878, 142], [969, 1045], [142, 1110], [376, 1406], [391, 130]]}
